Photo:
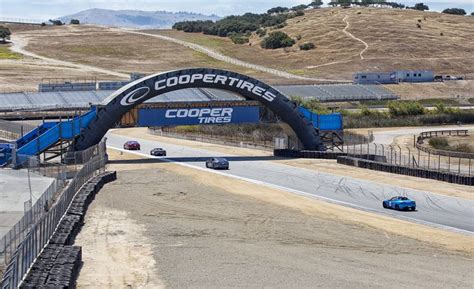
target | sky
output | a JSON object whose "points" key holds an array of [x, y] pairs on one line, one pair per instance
{"points": [[48, 9]]}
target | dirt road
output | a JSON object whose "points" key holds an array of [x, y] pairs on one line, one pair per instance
{"points": [[19, 44], [208, 232]]}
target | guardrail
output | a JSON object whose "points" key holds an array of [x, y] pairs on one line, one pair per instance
{"points": [[433, 151], [22, 252]]}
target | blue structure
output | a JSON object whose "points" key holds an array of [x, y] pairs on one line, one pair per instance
{"points": [[393, 77], [44, 137], [49, 134]]}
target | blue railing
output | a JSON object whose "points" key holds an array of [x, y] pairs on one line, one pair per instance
{"points": [[43, 137], [331, 121]]}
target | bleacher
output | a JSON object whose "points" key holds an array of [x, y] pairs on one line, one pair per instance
{"points": [[338, 92], [83, 99]]}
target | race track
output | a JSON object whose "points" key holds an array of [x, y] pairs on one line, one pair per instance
{"points": [[432, 209]]}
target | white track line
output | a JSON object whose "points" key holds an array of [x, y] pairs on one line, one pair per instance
{"points": [[298, 192]]}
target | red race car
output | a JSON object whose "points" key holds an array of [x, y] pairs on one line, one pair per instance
{"points": [[131, 145]]}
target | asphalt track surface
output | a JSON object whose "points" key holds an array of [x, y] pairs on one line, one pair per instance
{"points": [[432, 209]]}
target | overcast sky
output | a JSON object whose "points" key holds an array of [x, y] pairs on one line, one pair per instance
{"points": [[46, 9]]}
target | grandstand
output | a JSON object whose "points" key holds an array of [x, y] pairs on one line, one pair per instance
{"points": [[338, 92], [83, 99]]}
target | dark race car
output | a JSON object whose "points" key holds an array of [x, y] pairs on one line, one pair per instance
{"points": [[217, 163], [158, 152], [131, 145], [399, 203]]}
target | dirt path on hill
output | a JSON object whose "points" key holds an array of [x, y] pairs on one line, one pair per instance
{"points": [[354, 37], [216, 55], [19, 44]]}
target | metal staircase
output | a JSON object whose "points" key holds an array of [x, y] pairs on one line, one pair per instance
{"points": [[52, 136]]}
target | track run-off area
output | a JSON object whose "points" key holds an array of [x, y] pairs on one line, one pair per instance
{"points": [[436, 210]]}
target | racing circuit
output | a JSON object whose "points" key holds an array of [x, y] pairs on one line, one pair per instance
{"points": [[433, 209], [82, 132]]}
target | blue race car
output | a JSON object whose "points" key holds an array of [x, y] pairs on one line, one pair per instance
{"points": [[399, 203]]}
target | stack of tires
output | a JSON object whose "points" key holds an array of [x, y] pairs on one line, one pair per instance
{"points": [[59, 263]]}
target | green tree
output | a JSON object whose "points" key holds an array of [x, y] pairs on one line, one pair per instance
{"points": [[421, 7], [56, 22], [277, 10], [316, 4], [277, 39], [455, 11], [299, 7], [5, 33], [75, 22]]}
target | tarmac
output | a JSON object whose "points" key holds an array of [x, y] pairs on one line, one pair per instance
{"points": [[14, 192]]}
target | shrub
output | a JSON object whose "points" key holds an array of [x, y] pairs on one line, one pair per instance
{"points": [[261, 32], [74, 22], [281, 25], [299, 13], [239, 38], [277, 39], [307, 46], [404, 108], [438, 143], [455, 11]]}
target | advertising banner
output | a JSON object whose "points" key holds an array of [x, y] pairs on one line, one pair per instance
{"points": [[198, 116]]}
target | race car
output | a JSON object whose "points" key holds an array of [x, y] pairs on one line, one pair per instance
{"points": [[217, 163], [131, 145], [158, 152], [399, 203]]}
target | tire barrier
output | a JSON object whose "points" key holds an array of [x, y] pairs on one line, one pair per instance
{"points": [[59, 263], [328, 155], [414, 172], [307, 154]]}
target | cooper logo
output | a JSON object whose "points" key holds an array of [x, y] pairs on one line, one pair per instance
{"points": [[134, 96]]}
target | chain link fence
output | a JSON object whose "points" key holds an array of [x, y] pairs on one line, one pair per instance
{"points": [[411, 157], [25, 241]]}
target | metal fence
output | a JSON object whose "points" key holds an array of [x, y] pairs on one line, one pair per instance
{"points": [[411, 157], [235, 141], [21, 247]]}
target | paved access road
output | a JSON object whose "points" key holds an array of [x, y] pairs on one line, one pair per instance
{"points": [[433, 209]]}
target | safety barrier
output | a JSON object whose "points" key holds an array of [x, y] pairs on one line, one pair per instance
{"points": [[288, 153], [59, 263], [39, 234], [402, 170], [429, 134]]}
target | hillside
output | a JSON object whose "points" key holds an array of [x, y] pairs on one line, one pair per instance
{"points": [[445, 43], [135, 18]]}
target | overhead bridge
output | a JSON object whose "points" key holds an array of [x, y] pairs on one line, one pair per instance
{"points": [[84, 131]]}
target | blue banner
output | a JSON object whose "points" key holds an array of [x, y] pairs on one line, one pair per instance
{"points": [[198, 116]]}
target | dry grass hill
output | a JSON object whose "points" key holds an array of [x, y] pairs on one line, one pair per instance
{"points": [[444, 43], [393, 38]]}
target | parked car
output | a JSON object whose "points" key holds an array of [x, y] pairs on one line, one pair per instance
{"points": [[217, 163], [399, 203], [158, 152], [131, 145]]}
